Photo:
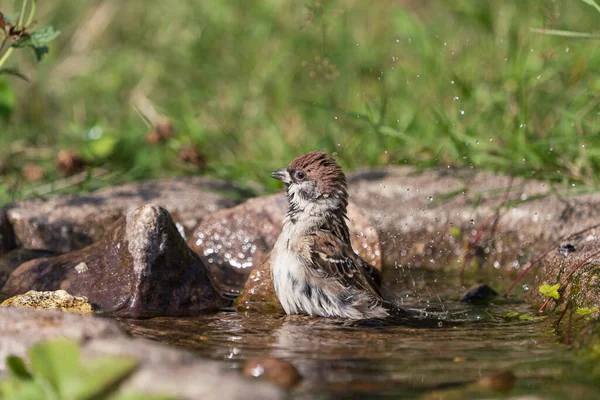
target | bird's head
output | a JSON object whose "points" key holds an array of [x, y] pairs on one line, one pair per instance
{"points": [[314, 178]]}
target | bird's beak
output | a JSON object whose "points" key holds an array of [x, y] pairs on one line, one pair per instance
{"points": [[282, 175]]}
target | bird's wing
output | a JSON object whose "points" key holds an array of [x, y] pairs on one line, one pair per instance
{"points": [[331, 257]]}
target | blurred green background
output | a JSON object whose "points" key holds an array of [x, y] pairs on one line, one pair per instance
{"points": [[234, 89]]}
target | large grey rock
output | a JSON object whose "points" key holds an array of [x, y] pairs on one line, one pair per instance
{"points": [[71, 222], [234, 241], [141, 267], [162, 370]]}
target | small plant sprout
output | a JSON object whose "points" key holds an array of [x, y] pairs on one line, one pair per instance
{"points": [[16, 33]]}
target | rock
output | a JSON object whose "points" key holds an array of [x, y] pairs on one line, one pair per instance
{"points": [[71, 222], [7, 234], [140, 268], [58, 300], [424, 218], [443, 210], [273, 370], [162, 370], [577, 272], [10, 261], [21, 328], [481, 294], [180, 373], [259, 292], [232, 242]]}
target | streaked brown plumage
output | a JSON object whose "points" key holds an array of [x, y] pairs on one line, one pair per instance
{"points": [[315, 270]]}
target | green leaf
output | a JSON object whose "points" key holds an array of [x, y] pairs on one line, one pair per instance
{"points": [[98, 378], [512, 314], [55, 362], [550, 291], [11, 18], [13, 389], [44, 35], [586, 310], [37, 40], [526, 317], [17, 368], [557, 32], [13, 72]]}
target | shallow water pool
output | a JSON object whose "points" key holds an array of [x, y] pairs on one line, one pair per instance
{"points": [[348, 360]]}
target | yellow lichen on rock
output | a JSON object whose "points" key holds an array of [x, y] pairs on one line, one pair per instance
{"points": [[58, 300]]}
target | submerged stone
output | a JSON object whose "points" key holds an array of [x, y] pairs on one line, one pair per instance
{"points": [[273, 370], [140, 268], [479, 295], [234, 241], [58, 300], [70, 222]]}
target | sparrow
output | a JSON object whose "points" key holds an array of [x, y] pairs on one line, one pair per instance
{"points": [[315, 271]]}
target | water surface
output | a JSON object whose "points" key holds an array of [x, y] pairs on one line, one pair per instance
{"points": [[338, 359]]}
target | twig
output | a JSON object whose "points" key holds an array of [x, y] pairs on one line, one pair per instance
{"points": [[568, 338], [581, 264], [561, 317], [492, 220], [543, 307]]}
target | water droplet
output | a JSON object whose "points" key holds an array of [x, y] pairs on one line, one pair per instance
{"points": [[456, 97], [496, 265], [430, 198], [472, 221], [462, 112]]}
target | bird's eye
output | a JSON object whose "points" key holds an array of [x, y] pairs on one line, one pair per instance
{"points": [[300, 175]]}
